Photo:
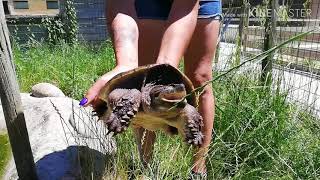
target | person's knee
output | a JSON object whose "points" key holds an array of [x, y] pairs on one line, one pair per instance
{"points": [[200, 76]]}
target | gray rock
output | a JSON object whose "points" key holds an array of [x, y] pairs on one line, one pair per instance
{"points": [[64, 137], [2, 121], [46, 90]]}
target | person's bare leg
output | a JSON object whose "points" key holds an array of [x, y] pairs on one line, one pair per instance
{"points": [[124, 33], [198, 67], [151, 32]]}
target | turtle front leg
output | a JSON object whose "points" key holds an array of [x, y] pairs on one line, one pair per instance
{"points": [[193, 124], [124, 105]]}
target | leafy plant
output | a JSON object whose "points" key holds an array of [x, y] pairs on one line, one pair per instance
{"points": [[55, 29], [64, 27], [69, 17]]}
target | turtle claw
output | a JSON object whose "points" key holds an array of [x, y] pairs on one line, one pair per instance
{"points": [[94, 113], [193, 125], [125, 102]]}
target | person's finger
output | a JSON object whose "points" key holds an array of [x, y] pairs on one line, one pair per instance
{"points": [[83, 101], [92, 93]]}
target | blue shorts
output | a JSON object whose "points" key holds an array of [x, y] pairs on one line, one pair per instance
{"points": [[160, 9]]}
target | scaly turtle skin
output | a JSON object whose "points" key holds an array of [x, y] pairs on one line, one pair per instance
{"points": [[147, 97]]}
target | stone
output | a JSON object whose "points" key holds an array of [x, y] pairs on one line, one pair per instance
{"points": [[65, 139], [3, 128], [46, 90]]}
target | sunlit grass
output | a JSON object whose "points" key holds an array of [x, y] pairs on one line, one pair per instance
{"points": [[4, 152], [72, 69]]}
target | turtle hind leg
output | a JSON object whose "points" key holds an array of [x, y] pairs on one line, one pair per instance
{"points": [[125, 104], [193, 123]]}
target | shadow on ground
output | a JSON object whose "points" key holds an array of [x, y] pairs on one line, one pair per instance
{"points": [[75, 162]]}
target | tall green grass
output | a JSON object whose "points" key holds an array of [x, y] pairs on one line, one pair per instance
{"points": [[258, 134], [4, 152]]}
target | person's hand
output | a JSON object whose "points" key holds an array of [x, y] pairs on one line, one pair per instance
{"points": [[91, 97]]}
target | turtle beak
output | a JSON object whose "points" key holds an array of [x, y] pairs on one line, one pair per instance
{"points": [[173, 97], [176, 94]]}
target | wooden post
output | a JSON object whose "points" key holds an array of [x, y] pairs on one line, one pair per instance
{"points": [[241, 22], [245, 24], [269, 42], [11, 104], [315, 13]]}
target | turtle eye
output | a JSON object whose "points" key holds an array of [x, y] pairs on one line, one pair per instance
{"points": [[156, 94]]}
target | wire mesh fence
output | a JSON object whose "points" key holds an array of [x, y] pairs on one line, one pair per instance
{"points": [[248, 28]]}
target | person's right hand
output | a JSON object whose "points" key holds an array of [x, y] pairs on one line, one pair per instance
{"points": [[91, 97]]}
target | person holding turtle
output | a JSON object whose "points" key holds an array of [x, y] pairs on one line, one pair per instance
{"points": [[163, 31]]}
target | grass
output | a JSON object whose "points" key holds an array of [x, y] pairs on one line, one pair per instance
{"points": [[72, 69], [257, 133], [260, 135], [4, 152]]}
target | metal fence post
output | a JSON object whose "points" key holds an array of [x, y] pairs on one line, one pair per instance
{"points": [[13, 112]]}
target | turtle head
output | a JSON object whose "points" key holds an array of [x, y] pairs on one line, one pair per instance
{"points": [[164, 97]]}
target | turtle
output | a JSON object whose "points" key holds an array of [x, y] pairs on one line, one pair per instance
{"points": [[153, 97]]}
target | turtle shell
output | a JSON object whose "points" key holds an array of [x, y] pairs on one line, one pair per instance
{"points": [[163, 74]]}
